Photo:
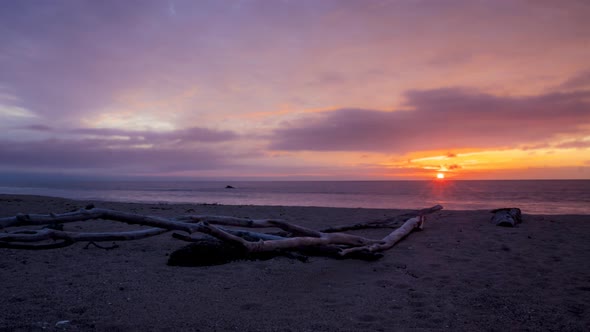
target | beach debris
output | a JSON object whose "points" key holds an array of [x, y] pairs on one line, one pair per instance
{"points": [[225, 236], [56, 226], [207, 251], [62, 324], [385, 223], [507, 217], [92, 243]]}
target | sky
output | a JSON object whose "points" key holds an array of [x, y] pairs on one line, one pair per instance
{"points": [[293, 90]]}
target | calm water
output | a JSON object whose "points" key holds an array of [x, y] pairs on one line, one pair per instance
{"points": [[542, 197]]}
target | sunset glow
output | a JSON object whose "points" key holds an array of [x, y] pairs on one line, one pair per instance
{"points": [[440, 175], [296, 90]]}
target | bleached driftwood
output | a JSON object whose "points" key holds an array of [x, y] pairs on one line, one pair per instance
{"points": [[391, 239], [385, 223], [299, 238]]}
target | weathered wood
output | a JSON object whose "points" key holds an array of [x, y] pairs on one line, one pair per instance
{"points": [[230, 221], [52, 234], [385, 223], [247, 235], [97, 213], [236, 243], [391, 239], [507, 217], [186, 255]]}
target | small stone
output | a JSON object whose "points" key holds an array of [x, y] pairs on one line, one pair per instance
{"points": [[62, 324], [42, 325]]}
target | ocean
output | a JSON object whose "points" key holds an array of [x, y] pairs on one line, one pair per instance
{"points": [[531, 196]]}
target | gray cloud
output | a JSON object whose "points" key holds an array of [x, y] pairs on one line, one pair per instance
{"points": [[92, 155], [582, 80], [574, 144], [66, 56], [38, 127], [137, 152], [194, 134], [61, 59], [440, 119]]}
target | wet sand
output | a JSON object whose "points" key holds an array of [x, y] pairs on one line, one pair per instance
{"points": [[461, 273]]}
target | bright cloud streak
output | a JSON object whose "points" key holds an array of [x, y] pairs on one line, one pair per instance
{"points": [[15, 112]]}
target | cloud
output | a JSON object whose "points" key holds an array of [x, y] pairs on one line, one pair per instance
{"points": [[578, 144], [61, 59], [38, 127], [92, 155], [65, 57], [66, 60], [581, 80], [121, 151], [440, 119], [536, 146], [194, 134]]}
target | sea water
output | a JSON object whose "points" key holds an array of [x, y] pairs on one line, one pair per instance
{"points": [[532, 196]]}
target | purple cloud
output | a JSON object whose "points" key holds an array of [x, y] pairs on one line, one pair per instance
{"points": [[440, 119], [65, 63], [574, 144], [66, 58], [92, 155], [38, 127], [141, 151], [581, 80], [194, 134]]}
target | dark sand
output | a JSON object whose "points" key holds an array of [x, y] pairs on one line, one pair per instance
{"points": [[461, 273]]}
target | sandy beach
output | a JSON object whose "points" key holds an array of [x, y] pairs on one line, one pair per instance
{"points": [[461, 273]]}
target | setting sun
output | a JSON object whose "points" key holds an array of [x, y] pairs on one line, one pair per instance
{"points": [[440, 175]]}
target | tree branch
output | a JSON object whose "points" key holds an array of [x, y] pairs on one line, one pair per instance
{"points": [[386, 223], [52, 234], [391, 239], [327, 241]]}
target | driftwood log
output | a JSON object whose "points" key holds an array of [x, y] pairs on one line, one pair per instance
{"points": [[507, 217], [215, 239]]}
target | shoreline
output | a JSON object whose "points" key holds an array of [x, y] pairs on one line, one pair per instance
{"points": [[173, 203], [533, 197], [460, 273]]}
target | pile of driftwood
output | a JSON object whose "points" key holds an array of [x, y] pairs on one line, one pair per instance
{"points": [[216, 239]]}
